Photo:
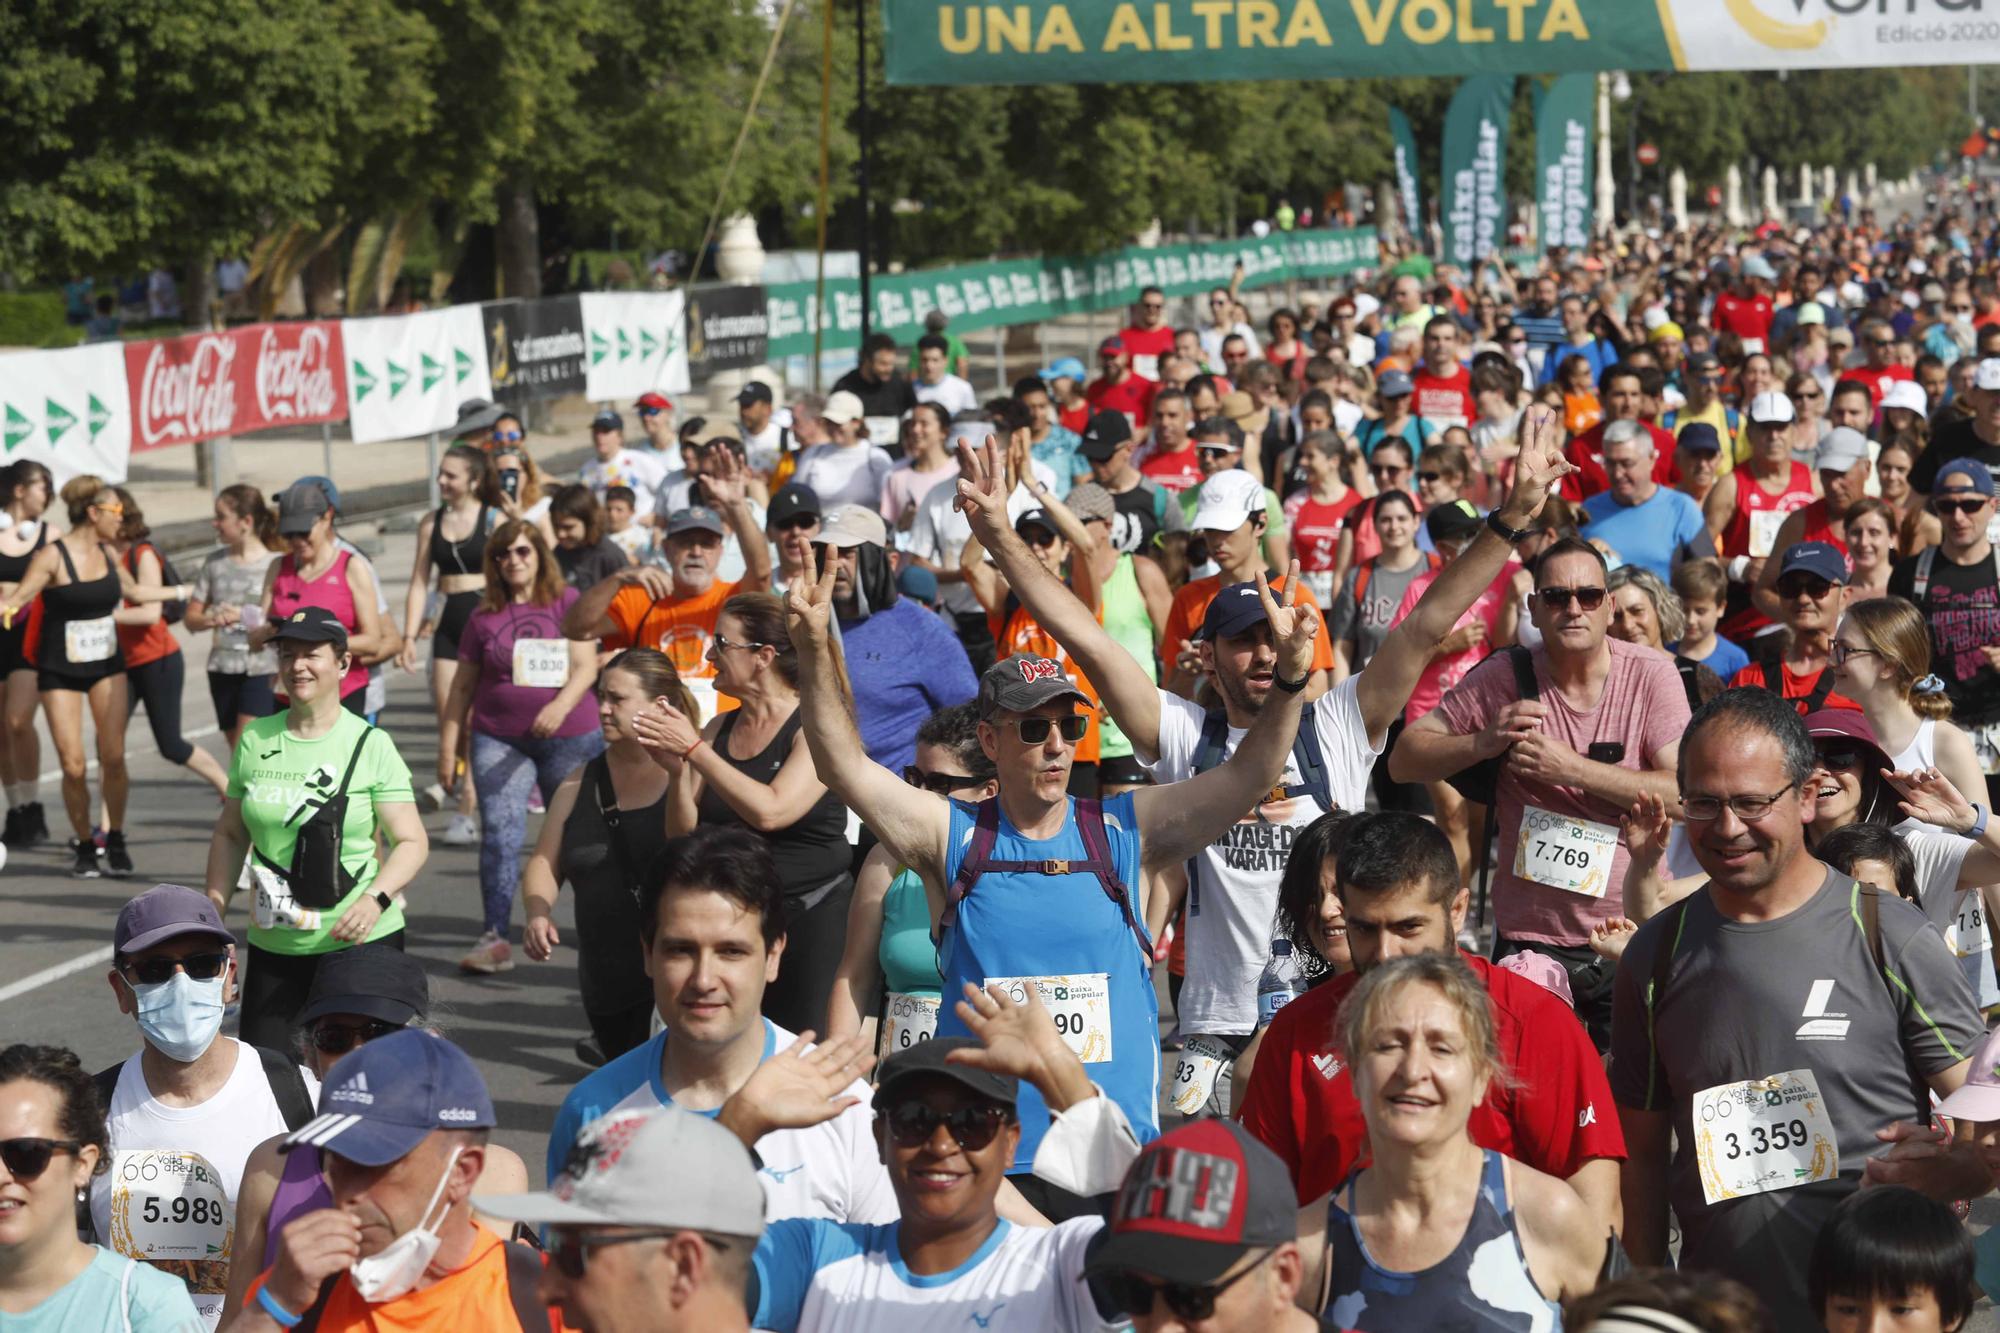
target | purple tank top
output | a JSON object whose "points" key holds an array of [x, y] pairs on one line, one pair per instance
{"points": [[301, 1189]]}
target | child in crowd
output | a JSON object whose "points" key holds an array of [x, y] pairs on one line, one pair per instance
{"points": [[621, 513], [1703, 587], [1891, 1258], [1873, 854]]}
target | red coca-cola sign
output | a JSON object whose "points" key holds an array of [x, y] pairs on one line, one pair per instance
{"points": [[202, 385]]}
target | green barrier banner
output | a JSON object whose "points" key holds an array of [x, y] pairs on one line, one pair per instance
{"points": [[1025, 291], [1475, 168], [1562, 160], [1207, 41], [1407, 196]]}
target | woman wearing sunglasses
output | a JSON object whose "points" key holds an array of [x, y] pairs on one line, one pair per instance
{"points": [[52, 1143], [607, 823], [523, 687], [750, 768], [361, 994], [889, 942]]}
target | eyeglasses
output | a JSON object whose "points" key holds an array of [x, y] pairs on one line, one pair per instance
{"points": [[153, 971], [1809, 585], [725, 643], [1134, 1293], [1556, 599], [518, 553], [1805, 394], [340, 1038], [1840, 652], [570, 1251], [1035, 730], [939, 784], [506, 437], [26, 1159], [1036, 535], [1958, 506], [1701, 809], [911, 1124]]}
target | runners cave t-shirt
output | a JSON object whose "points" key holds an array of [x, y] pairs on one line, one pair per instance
{"points": [[281, 778]]}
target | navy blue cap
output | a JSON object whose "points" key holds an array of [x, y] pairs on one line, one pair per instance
{"points": [[608, 419], [1698, 437], [1235, 609], [1821, 558], [384, 1097], [1963, 474]]}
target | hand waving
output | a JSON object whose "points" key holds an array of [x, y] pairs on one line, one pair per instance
{"points": [[1645, 828], [1930, 796], [724, 479], [1294, 625], [798, 1088], [809, 603], [1015, 1039], [982, 491], [1537, 468]]}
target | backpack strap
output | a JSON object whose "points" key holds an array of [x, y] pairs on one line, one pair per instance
{"points": [[979, 861], [1689, 685], [1656, 989], [1214, 737], [1774, 675], [1820, 690], [1097, 860], [1361, 577], [288, 1087], [1311, 760], [1926, 561], [1522, 659], [524, 1271], [353, 760]]}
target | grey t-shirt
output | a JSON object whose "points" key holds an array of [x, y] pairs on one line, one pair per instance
{"points": [[1746, 1000], [224, 582], [1363, 623]]}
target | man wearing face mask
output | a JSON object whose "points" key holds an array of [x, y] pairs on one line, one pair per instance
{"points": [[185, 1112], [402, 1140]]}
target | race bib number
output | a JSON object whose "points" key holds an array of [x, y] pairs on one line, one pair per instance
{"points": [[884, 431], [1195, 1072], [1763, 1135], [1321, 583], [89, 640], [170, 1209], [907, 1020], [1565, 852], [1146, 367], [275, 908], [541, 663], [1080, 1004], [1752, 346], [1764, 525]]}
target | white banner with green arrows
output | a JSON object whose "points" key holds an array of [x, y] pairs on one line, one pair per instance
{"points": [[637, 344], [68, 410], [407, 374]]}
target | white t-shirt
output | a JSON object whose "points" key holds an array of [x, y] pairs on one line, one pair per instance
{"points": [[644, 473], [1212, 340], [1361, 350], [940, 532], [1233, 897], [951, 393], [1959, 914], [764, 448], [845, 474], [824, 1277], [169, 1198]]}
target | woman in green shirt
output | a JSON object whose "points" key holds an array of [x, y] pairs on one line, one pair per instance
{"points": [[309, 789]]}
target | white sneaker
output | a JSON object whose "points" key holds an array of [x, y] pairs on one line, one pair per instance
{"points": [[433, 797], [491, 954], [462, 831]]}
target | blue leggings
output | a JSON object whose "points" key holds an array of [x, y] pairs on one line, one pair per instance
{"points": [[504, 772]]}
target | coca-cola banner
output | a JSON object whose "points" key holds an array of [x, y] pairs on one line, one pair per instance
{"points": [[202, 385], [638, 343], [535, 349], [407, 374], [68, 410]]}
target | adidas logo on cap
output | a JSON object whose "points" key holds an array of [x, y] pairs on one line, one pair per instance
{"points": [[354, 1090]]}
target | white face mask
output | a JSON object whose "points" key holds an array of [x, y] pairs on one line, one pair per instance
{"points": [[396, 1269]]}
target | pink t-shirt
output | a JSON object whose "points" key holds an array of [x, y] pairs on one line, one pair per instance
{"points": [[906, 487], [1445, 672], [1641, 708]]}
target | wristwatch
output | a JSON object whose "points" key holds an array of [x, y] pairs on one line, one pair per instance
{"points": [[1512, 536], [1980, 817], [1291, 686], [383, 900]]}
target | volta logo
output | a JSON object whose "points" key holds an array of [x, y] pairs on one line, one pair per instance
{"points": [[1779, 34]]}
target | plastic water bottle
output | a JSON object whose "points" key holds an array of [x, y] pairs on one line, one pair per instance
{"points": [[1279, 985]]}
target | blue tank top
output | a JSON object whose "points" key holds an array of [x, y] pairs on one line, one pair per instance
{"points": [[1062, 926], [1482, 1286]]}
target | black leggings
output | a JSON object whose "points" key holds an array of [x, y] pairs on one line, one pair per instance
{"points": [[275, 990], [158, 686], [814, 940], [621, 1030]]}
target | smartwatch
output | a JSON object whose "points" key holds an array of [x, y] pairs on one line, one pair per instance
{"points": [[1981, 815], [1512, 536], [383, 900]]}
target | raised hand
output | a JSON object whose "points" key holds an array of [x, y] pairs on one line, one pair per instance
{"points": [[1015, 1039], [725, 483], [982, 491], [809, 602], [1928, 795], [1645, 828], [661, 726], [1294, 625], [1538, 468], [799, 1087]]}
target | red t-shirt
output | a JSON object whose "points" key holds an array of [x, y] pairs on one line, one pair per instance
{"points": [[1074, 418], [1445, 399], [1176, 471], [1146, 347], [1878, 381], [1301, 1101], [1796, 686], [1587, 452], [1315, 526], [1748, 317], [1132, 395]]}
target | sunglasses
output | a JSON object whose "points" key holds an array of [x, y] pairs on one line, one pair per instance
{"points": [[570, 1251], [799, 524], [340, 1038], [1215, 448], [1811, 585], [649, 411], [507, 437], [1035, 535], [1430, 476], [1035, 730], [1135, 1294], [1556, 599], [939, 784], [725, 643], [1881, 342], [26, 1159], [1832, 758], [109, 508], [153, 971], [912, 1124], [518, 553], [1958, 506]]}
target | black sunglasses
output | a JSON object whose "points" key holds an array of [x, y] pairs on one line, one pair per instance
{"points": [[1812, 585], [26, 1159], [340, 1038], [570, 1250], [1555, 599], [939, 784], [153, 971], [1958, 506], [1035, 730], [911, 1124], [1841, 758], [798, 523], [1134, 1294]]}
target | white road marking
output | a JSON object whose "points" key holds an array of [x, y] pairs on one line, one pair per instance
{"points": [[56, 973]]}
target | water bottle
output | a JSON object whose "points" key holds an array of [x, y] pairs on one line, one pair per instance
{"points": [[1279, 985]]}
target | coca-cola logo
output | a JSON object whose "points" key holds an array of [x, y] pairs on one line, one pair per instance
{"points": [[294, 381], [193, 399]]}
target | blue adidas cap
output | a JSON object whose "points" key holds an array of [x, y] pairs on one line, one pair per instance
{"points": [[385, 1096]]}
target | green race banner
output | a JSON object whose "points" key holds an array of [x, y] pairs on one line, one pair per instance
{"points": [[1207, 41], [1562, 160], [1475, 168], [1022, 291], [1407, 196]]}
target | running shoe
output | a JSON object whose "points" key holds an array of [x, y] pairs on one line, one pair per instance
{"points": [[588, 1051], [433, 797], [492, 954], [35, 826], [462, 831], [84, 863], [535, 806], [117, 861], [11, 836]]}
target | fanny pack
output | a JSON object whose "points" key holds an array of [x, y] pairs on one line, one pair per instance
{"points": [[316, 876]]}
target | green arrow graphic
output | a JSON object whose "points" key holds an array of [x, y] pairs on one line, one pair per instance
{"points": [[363, 381], [462, 361], [100, 417], [599, 348], [433, 372], [17, 429], [648, 344], [398, 377], [624, 345], [58, 420]]}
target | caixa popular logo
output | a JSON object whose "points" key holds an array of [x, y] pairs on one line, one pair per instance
{"points": [[1039, 668]]}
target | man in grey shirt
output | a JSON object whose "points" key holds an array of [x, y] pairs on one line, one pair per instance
{"points": [[1768, 1048]]}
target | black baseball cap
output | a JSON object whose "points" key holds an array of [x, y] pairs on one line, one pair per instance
{"points": [[756, 391], [1020, 683], [1452, 522], [300, 505], [373, 980], [1196, 1201], [607, 420], [313, 624], [1102, 435], [793, 498], [1698, 437], [928, 1057]]}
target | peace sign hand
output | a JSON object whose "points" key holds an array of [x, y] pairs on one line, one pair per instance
{"points": [[1294, 625], [982, 491], [809, 603]]}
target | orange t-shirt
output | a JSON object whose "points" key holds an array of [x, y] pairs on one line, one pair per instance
{"points": [[1021, 634], [681, 627], [455, 1301], [1191, 604], [143, 644]]}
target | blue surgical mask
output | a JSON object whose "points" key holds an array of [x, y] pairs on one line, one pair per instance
{"points": [[180, 1016]]}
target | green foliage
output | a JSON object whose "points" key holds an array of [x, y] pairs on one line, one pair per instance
{"points": [[35, 319]]}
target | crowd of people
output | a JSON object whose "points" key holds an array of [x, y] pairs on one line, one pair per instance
{"points": [[1537, 732]]}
